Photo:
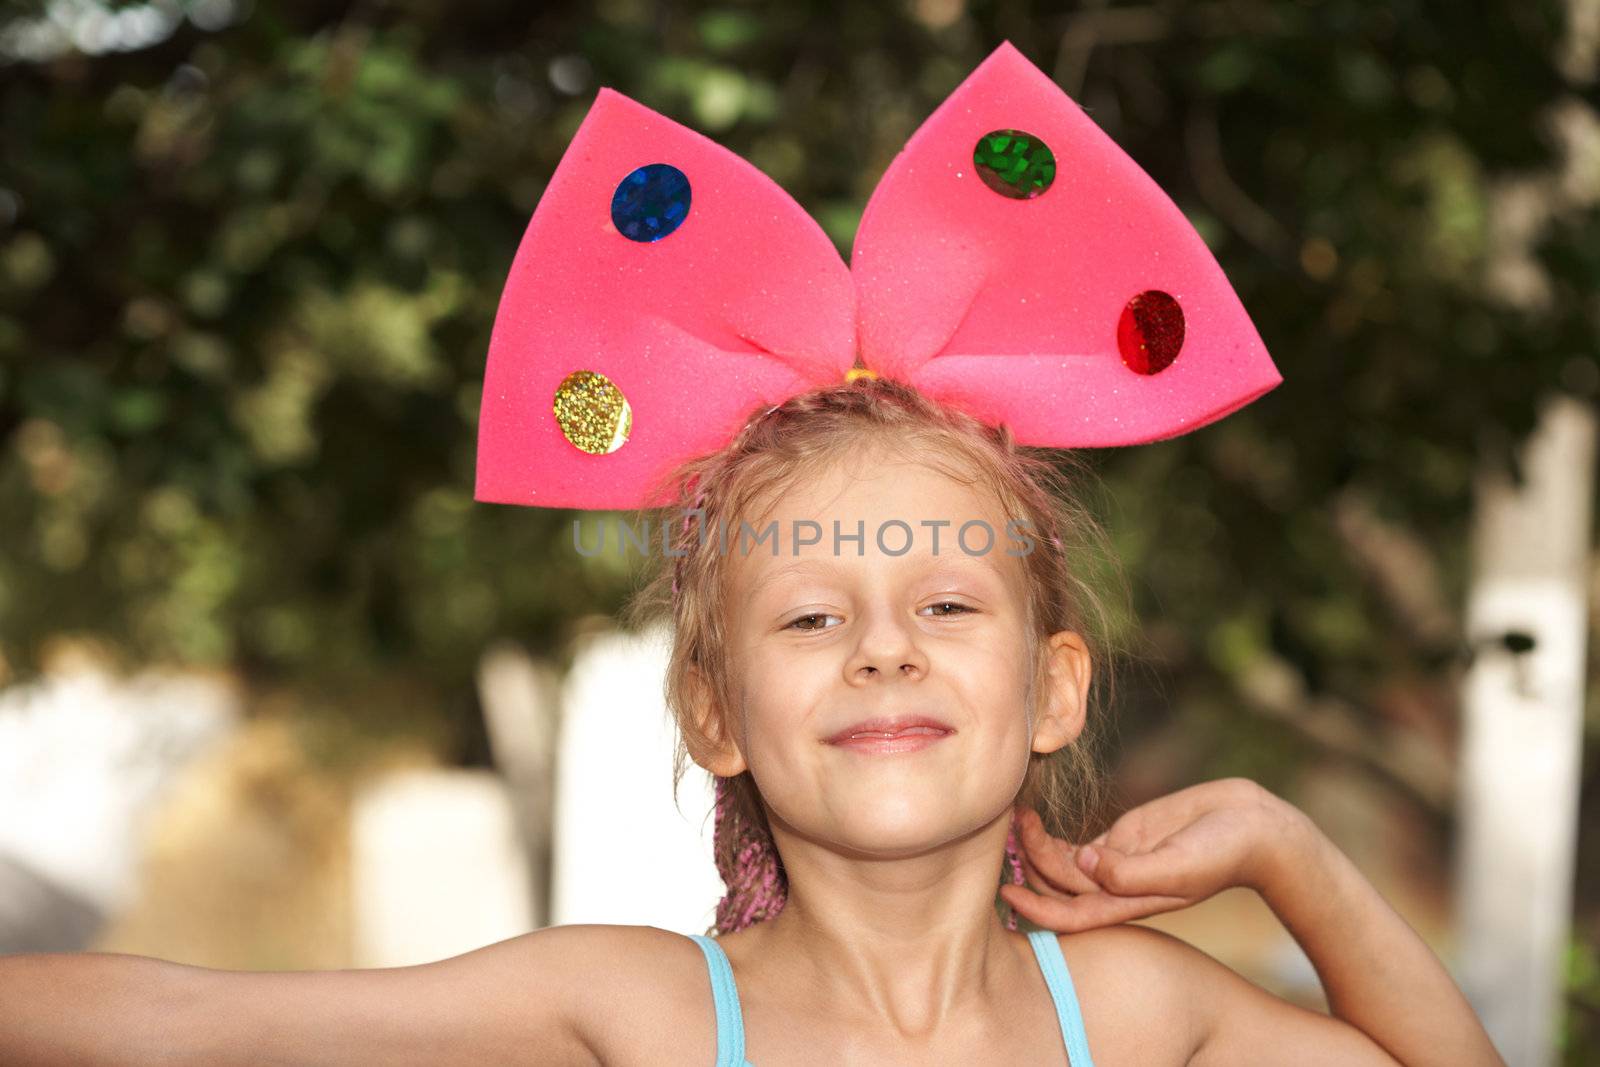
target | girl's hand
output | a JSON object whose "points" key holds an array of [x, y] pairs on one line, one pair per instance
{"points": [[1170, 853]]}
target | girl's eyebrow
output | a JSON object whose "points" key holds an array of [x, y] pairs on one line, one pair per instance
{"points": [[798, 566], [976, 564]]}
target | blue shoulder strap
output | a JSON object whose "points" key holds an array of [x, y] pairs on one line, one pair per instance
{"points": [[730, 1024], [1048, 951]]}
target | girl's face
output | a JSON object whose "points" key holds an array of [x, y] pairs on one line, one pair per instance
{"points": [[825, 639]]}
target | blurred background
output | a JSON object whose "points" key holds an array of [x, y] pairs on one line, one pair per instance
{"points": [[275, 693]]}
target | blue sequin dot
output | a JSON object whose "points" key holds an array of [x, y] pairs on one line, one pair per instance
{"points": [[651, 202]]}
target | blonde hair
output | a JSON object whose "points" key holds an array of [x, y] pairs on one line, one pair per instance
{"points": [[794, 441]]}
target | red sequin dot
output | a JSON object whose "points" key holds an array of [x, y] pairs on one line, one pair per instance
{"points": [[1150, 332]]}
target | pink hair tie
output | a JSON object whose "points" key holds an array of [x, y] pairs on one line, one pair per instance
{"points": [[677, 566], [756, 888], [1014, 866]]}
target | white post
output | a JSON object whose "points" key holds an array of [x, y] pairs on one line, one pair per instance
{"points": [[85, 757], [520, 697], [623, 852], [1522, 733]]}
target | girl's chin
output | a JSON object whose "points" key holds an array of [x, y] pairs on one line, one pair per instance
{"points": [[907, 833]]}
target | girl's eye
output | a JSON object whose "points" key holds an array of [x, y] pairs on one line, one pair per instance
{"points": [[795, 625], [960, 609]]}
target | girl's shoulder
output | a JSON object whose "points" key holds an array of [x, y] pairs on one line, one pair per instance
{"points": [[639, 994], [1135, 987]]}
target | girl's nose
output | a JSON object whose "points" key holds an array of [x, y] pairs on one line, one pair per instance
{"points": [[886, 645]]}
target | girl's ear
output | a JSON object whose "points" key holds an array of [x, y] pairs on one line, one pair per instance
{"points": [[1065, 698], [713, 745]]}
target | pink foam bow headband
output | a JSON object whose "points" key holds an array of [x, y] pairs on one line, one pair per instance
{"points": [[1012, 262]]}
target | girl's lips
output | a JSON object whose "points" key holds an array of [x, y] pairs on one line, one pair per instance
{"points": [[891, 726], [911, 740], [891, 735]]}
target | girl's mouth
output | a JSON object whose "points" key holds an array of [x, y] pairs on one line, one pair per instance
{"points": [[902, 739]]}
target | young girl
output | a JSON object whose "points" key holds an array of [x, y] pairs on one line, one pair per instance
{"points": [[884, 645], [872, 718]]}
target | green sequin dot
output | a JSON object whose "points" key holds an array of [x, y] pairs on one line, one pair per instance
{"points": [[1014, 163]]}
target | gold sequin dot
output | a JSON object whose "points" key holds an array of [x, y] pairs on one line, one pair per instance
{"points": [[592, 412]]}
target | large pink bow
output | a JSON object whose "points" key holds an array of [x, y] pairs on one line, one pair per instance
{"points": [[1012, 261]]}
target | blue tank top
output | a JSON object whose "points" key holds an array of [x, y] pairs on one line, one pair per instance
{"points": [[1046, 949]]}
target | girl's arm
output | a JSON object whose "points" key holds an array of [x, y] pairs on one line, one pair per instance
{"points": [[1392, 1002], [495, 1005], [1378, 975]]}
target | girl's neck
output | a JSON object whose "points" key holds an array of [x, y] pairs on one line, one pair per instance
{"points": [[886, 972], [919, 934]]}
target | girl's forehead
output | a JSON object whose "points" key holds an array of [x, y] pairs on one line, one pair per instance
{"points": [[876, 480], [872, 514], [909, 523], [988, 571]]}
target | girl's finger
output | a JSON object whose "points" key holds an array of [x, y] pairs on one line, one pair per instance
{"points": [[1042, 885], [1064, 876], [1074, 914], [1039, 879], [1055, 860], [1085, 911], [1166, 869]]}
